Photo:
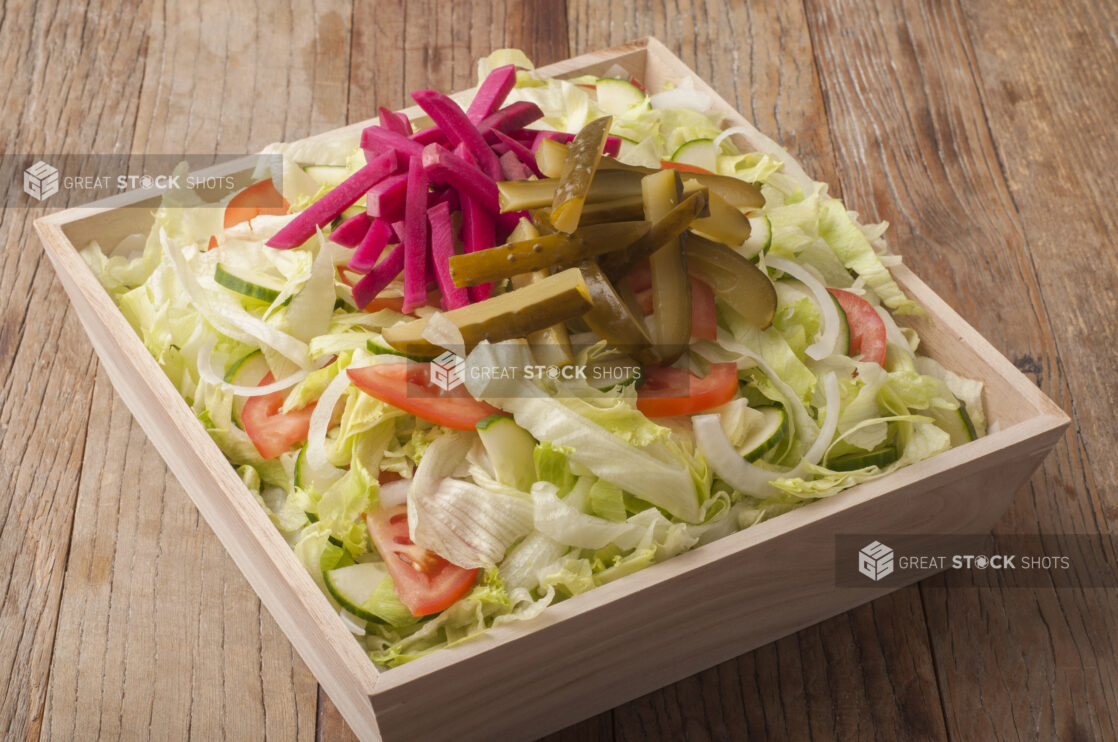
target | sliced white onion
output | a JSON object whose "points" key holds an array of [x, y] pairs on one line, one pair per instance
{"points": [[745, 131], [321, 468], [727, 349], [206, 371], [749, 478], [726, 462], [394, 493], [828, 332], [696, 100], [830, 422]]}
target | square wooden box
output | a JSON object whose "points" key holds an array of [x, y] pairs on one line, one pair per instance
{"points": [[600, 649]]}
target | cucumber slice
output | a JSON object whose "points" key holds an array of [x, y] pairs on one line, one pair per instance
{"points": [[352, 587], [956, 423], [842, 344], [300, 478], [698, 152], [760, 236], [381, 349], [247, 371], [615, 96], [255, 287], [880, 457], [767, 435], [511, 449]]}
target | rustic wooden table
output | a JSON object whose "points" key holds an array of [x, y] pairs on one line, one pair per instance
{"points": [[984, 131]]}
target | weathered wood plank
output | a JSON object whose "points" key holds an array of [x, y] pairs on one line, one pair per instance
{"points": [[760, 58], [159, 635], [988, 150], [46, 364]]}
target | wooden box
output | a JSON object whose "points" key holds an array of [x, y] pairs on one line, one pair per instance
{"points": [[602, 648]]}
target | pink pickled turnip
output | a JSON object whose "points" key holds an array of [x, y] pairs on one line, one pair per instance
{"points": [[512, 167], [370, 249], [350, 232], [322, 212], [386, 199], [458, 128], [442, 249], [446, 168], [382, 274], [478, 233], [492, 93], [378, 140], [522, 153], [511, 118], [394, 121], [415, 237]]}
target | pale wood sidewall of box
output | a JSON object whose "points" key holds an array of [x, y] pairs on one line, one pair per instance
{"points": [[599, 649]]}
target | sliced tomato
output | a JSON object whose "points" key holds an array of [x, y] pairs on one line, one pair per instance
{"points": [[704, 314], [667, 392], [257, 199], [408, 386], [424, 581], [682, 167], [213, 243], [867, 329], [271, 431]]}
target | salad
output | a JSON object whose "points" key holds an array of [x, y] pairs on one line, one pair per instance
{"points": [[551, 333]]}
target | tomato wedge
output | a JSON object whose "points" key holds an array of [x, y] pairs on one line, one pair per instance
{"points": [[424, 581], [867, 329], [667, 392], [259, 198], [271, 431], [683, 167], [408, 386]]}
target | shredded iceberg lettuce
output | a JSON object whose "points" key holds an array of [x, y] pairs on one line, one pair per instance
{"points": [[601, 490]]}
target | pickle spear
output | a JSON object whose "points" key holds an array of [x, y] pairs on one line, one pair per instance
{"points": [[630, 208], [613, 320], [551, 157], [616, 264], [515, 314], [551, 345], [741, 285], [578, 172], [671, 287], [551, 250], [518, 195], [725, 223], [738, 193]]}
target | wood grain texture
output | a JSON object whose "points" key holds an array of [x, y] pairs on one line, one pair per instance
{"points": [[45, 393], [974, 139], [936, 117], [147, 585]]}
